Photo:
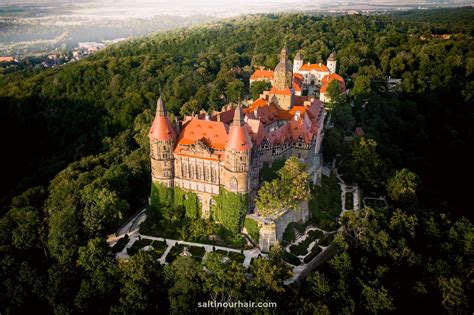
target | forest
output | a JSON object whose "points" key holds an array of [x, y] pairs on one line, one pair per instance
{"points": [[75, 165]]}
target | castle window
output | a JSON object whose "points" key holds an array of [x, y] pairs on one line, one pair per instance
{"points": [[199, 175], [206, 173], [233, 184], [212, 202], [191, 175], [214, 175]]}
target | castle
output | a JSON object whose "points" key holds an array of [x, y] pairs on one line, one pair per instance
{"points": [[227, 149], [308, 79]]}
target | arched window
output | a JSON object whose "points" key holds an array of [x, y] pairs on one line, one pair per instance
{"points": [[199, 172], [185, 170], [214, 175], [233, 184], [191, 175], [206, 173]]}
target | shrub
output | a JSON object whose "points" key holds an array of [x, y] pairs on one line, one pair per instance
{"points": [[327, 240], [291, 259], [314, 252]]}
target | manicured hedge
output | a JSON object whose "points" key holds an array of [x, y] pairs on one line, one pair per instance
{"points": [[314, 252], [291, 259]]}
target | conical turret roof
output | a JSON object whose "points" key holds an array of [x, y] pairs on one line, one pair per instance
{"points": [[161, 129], [239, 138]]}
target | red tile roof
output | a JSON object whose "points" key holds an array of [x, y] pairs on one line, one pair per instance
{"points": [[314, 66], [262, 74], [330, 77], [214, 132], [285, 91]]}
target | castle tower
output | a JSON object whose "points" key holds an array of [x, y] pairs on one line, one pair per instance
{"points": [[162, 142], [237, 155], [331, 63], [297, 62], [283, 74]]}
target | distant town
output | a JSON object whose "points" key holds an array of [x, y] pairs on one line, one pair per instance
{"points": [[56, 58]]}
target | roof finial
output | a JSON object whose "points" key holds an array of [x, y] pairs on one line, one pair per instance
{"points": [[238, 116], [284, 53], [160, 107]]}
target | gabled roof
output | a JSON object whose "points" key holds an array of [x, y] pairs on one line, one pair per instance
{"points": [[256, 130], [214, 132], [262, 74]]}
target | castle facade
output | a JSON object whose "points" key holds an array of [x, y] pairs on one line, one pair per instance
{"points": [[227, 149]]}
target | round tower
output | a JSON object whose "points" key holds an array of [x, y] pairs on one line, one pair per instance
{"points": [[162, 142], [331, 63], [237, 155], [283, 74], [297, 62]]}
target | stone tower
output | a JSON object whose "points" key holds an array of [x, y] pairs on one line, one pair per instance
{"points": [[237, 155], [331, 63], [162, 142], [283, 74], [297, 62]]}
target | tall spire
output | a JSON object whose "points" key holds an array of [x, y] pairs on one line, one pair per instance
{"points": [[284, 53], [160, 107], [238, 116]]}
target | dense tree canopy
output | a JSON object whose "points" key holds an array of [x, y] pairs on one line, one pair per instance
{"points": [[76, 163]]}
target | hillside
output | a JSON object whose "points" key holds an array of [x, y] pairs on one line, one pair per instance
{"points": [[76, 158]]}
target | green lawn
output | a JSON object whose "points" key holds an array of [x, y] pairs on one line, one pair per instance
{"points": [[174, 252], [197, 251], [139, 244], [301, 249]]}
